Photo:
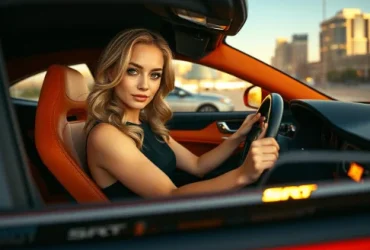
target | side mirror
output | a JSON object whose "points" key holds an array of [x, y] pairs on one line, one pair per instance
{"points": [[182, 93], [253, 96]]}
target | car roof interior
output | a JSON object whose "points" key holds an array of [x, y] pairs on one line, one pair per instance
{"points": [[44, 27]]}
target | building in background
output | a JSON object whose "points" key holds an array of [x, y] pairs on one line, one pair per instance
{"points": [[345, 34], [282, 57], [291, 57], [299, 57], [345, 46]]}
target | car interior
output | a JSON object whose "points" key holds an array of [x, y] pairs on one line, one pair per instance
{"points": [[60, 34]]}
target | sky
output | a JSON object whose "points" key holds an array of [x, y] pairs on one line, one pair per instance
{"points": [[270, 19]]}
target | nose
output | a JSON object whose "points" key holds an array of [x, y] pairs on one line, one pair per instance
{"points": [[143, 83]]}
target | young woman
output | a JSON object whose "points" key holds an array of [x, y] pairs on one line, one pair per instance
{"points": [[129, 150]]}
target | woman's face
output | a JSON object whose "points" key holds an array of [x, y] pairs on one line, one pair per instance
{"points": [[142, 78]]}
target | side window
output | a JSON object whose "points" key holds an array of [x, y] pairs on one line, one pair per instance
{"points": [[203, 89], [174, 92], [29, 88], [198, 88]]}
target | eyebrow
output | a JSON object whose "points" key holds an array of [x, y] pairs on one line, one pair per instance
{"points": [[141, 67]]}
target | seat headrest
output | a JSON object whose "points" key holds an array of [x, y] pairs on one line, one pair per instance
{"points": [[66, 88], [75, 85]]}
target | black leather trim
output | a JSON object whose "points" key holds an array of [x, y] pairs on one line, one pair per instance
{"points": [[198, 121]]}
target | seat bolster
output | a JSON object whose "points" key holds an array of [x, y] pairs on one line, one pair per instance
{"points": [[61, 143]]}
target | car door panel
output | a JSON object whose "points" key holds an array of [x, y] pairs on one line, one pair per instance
{"points": [[200, 132]]}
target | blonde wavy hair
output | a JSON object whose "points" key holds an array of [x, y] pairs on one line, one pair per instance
{"points": [[104, 105]]}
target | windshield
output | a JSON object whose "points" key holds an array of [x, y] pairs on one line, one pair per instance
{"points": [[324, 44]]}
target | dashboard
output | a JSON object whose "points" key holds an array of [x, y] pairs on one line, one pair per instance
{"points": [[332, 140], [333, 126]]}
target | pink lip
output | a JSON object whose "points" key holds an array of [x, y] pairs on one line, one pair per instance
{"points": [[141, 96]]}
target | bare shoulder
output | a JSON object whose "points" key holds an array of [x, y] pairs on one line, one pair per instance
{"points": [[116, 153], [105, 136]]}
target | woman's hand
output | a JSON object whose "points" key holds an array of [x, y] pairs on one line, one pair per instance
{"points": [[262, 155], [247, 126]]}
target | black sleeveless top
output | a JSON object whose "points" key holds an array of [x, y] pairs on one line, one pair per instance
{"points": [[156, 151]]}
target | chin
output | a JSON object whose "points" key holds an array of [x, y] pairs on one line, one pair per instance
{"points": [[131, 104], [136, 105]]}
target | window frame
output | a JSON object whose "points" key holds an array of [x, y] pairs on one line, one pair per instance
{"points": [[16, 183]]}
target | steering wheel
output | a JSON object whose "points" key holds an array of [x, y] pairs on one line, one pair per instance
{"points": [[272, 108]]}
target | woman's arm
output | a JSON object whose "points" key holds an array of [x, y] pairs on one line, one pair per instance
{"points": [[262, 155], [199, 166], [117, 154]]}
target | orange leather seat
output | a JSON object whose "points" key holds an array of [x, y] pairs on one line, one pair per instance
{"points": [[59, 135]]}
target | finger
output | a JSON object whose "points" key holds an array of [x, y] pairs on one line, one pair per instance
{"points": [[263, 133], [268, 141], [248, 118], [260, 120], [261, 154], [254, 117], [274, 142], [261, 123], [257, 116], [270, 157], [269, 149]]}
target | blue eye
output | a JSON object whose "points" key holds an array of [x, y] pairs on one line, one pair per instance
{"points": [[156, 76], [131, 71]]}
